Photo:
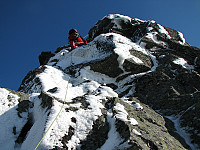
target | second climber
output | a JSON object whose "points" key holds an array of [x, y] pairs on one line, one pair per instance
{"points": [[75, 39]]}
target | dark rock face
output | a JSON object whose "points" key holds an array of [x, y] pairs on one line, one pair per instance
{"points": [[47, 101], [107, 25], [22, 96], [171, 89], [100, 131], [190, 120], [24, 132], [31, 80], [108, 66], [133, 67], [153, 126], [44, 57]]}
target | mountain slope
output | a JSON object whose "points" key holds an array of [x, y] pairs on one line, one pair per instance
{"points": [[106, 92]]}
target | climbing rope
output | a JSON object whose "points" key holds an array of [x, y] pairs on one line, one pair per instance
{"points": [[86, 36], [55, 117], [71, 64], [58, 112]]}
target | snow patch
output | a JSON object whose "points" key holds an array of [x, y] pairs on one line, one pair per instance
{"points": [[138, 106], [116, 17], [123, 48], [162, 56], [162, 30], [152, 36], [122, 114], [136, 132], [182, 38], [183, 63], [150, 29], [114, 139], [181, 131]]}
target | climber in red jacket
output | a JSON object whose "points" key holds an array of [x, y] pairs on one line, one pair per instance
{"points": [[75, 39]]}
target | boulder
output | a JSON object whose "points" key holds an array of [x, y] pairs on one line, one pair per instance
{"points": [[44, 57]]}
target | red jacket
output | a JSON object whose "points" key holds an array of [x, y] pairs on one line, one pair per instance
{"points": [[76, 40]]}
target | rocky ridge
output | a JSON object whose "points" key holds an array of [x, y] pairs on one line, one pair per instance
{"points": [[134, 86]]}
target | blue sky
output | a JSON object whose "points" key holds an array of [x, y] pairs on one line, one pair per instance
{"points": [[28, 27]]}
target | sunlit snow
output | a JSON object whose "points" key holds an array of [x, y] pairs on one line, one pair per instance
{"points": [[183, 63]]}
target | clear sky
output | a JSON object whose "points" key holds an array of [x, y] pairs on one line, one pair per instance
{"points": [[28, 27]]}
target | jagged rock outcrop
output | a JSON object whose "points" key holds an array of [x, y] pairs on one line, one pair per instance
{"points": [[135, 85], [44, 57], [174, 87]]}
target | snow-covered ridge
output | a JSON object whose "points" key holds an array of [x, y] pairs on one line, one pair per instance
{"points": [[117, 18], [90, 52], [95, 87], [54, 77], [80, 55], [137, 27]]}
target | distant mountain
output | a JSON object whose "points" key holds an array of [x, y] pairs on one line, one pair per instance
{"points": [[135, 85]]}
